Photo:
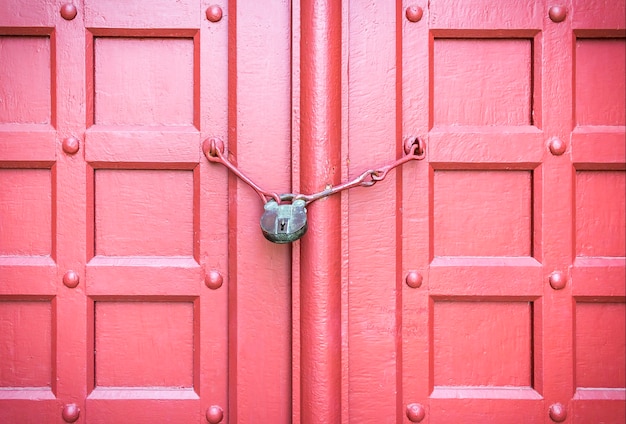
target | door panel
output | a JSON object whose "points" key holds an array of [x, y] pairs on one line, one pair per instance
{"points": [[141, 140], [598, 270], [119, 234], [259, 111], [30, 316], [470, 329], [372, 291], [495, 312]]}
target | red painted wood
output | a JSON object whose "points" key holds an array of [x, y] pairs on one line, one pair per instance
{"points": [[259, 138], [490, 124], [597, 251], [212, 95], [373, 245], [141, 337], [320, 167], [135, 285], [296, 335]]}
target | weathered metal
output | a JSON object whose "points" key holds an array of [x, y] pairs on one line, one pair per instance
{"points": [[284, 219], [284, 222], [214, 151]]}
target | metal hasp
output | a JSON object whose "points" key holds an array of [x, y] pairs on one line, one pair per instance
{"points": [[284, 219]]}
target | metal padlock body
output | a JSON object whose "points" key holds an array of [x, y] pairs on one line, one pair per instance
{"points": [[284, 223]]}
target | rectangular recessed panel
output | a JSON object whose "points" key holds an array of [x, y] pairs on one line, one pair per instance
{"points": [[482, 213], [600, 86], [599, 16], [482, 81], [143, 406], [600, 213], [144, 81], [482, 343], [144, 344], [25, 71], [599, 406], [133, 14], [25, 343], [600, 344], [25, 212], [144, 212]]}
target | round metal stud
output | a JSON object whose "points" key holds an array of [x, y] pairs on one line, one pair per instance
{"points": [[71, 279], [414, 279], [557, 412], [414, 13], [214, 414], [415, 412], [214, 13], [71, 145], [214, 280], [68, 11], [70, 413], [557, 146], [557, 13], [557, 280]]}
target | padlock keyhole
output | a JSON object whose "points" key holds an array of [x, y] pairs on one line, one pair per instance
{"points": [[282, 224]]}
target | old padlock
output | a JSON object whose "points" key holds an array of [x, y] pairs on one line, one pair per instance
{"points": [[285, 222]]}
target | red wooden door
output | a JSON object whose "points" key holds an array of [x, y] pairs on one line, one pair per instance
{"points": [[520, 313], [483, 284], [119, 300]]}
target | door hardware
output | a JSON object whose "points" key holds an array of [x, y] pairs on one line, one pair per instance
{"points": [[284, 219], [284, 222]]}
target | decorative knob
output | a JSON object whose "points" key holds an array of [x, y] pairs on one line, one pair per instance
{"points": [[557, 13], [414, 13], [71, 279], [70, 413], [414, 279], [557, 280], [415, 412], [214, 279], [557, 412], [557, 146], [71, 145], [214, 414], [68, 11], [214, 13]]}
